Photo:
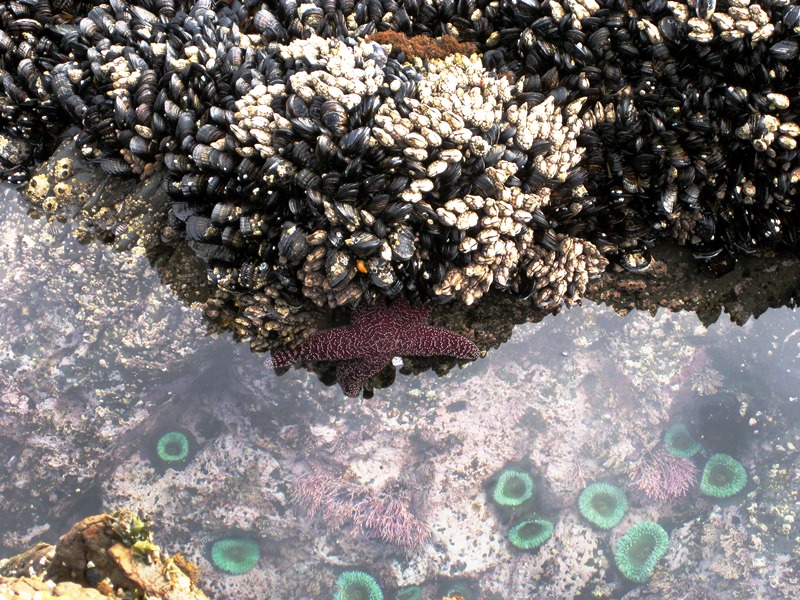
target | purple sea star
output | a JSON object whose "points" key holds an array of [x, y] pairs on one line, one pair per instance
{"points": [[376, 334]]}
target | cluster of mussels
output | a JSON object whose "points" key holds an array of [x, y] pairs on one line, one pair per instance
{"points": [[340, 150]]}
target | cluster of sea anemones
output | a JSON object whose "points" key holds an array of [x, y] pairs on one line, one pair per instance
{"points": [[512, 491]]}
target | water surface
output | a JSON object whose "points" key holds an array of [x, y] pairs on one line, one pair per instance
{"points": [[98, 360]]}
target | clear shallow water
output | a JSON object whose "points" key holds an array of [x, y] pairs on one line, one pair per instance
{"points": [[98, 360]]}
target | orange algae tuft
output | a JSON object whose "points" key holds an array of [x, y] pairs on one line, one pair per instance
{"points": [[423, 46]]}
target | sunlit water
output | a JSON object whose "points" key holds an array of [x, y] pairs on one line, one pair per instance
{"points": [[98, 360]]}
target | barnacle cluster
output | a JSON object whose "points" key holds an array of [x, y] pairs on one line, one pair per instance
{"points": [[130, 528], [391, 161], [316, 154], [145, 552]]}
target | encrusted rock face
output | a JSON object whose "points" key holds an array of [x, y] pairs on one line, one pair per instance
{"points": [[104, 556], [323, 151], [381, 163], [329, 153], [22, 588]]}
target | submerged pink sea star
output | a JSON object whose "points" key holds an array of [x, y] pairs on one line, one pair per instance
{"points": [[377, 334]]}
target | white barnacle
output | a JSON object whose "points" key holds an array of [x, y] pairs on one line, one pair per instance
{"points": [[468, 244], [383, 137], [416, 153], [416, 140], [747, 26], [432, 138], [723, 20], [451, 155], [456, 206], [478, 146], [758, 15], [437, 167], [422, 185], [467, 220], [763, 33], [731, 36], [790, 129], [475, 202], [446, 217], [778, 101]]}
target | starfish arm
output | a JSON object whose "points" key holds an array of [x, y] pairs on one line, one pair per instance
{"points": [[338, 343], [352, 374], [427, 340], [283, 357]]}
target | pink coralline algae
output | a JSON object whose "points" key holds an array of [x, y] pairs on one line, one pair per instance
{"points": [[377, 514], [376, 334], [662, 476]]}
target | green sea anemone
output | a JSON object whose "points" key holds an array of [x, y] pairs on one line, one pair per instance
{"points": [[174, 449], [531, 532], [412, 592], [235, 555], [679, 442], [638, 551], [357, 585], [603, 505], [723, 476], [513, 488]]}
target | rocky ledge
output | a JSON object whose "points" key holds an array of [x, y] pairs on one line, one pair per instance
{"points": [[103, 556]]}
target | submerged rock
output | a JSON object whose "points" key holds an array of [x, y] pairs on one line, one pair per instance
{"points": [[98, 558]]}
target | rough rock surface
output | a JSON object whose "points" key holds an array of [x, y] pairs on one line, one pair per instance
{"points": [[95, 560]]}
